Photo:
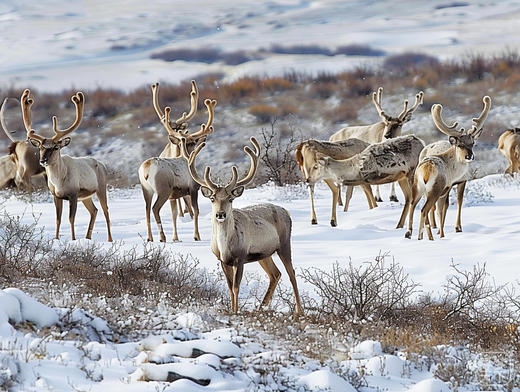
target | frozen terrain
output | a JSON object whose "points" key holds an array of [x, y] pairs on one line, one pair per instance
{"points": [[58, 44]]}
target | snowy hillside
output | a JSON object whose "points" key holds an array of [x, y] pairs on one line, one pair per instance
{"points": [[59, 44]]}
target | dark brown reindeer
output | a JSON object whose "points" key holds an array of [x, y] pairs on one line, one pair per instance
{"points": [[245, 235], [25, 157]]}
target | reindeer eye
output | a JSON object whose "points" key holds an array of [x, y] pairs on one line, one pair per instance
{"points": [[212, 199], [315, 166], [56, 147]]}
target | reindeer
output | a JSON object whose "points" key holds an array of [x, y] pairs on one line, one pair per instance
{"points": [[436, 174], [380, 163], [244, 235], [7, 171], [169, 178], [387, 128], [68, 178], [509, 146], [24, 155], [175, 128], [307, 155]]}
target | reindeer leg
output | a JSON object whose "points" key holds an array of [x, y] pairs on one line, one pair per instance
{"points": [[238, 271], [415, 196], [378, 195], [73, 206], [189, 205], [228, 274], [404, 183], [285, 255], [174, 203], [314, 221], [460, 197], [348, 195], [274, 276], [148, 195], [58, 203], [161, 199], [335, 191], [102, 196], [393, 195], [432, 216], [340, 202], [89, 204], [179, 206], [195, 204]]}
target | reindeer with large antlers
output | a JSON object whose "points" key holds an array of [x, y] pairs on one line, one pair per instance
{"points": [[24, 156], [169, 178], [244, 235], [175, 129], [69, 178], [436, 174], [389, 127]]}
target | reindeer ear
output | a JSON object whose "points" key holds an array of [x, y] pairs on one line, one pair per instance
{"points": [[206, 192], [237, 192], [173, 139], [35, 142], [64, 142], [453, 140]]}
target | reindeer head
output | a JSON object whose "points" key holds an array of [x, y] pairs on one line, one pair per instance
{"points": [[462, 140], [307, 158], [221, 196], [179, 128], [393, 125], [49, 148]]}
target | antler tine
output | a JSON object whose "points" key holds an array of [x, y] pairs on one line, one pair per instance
{"points": [[2, 120], [441, 125], [255, 156], [376, 98], [167, 124], [418, 101], [79, 100], [155, 100], [206, 129], [191, 165], [26, 102], [478, 123], [194, 98]]}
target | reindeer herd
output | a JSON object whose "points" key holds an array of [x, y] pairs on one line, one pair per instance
{"points": [[362, 155]]}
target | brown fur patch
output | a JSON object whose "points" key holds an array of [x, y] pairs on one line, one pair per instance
{"points": [[298, 154], [426, 171], [146, 167], [12, 148]]}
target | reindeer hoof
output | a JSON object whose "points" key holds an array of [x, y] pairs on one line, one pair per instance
{"points": [[333, 223], [314, 221], [408, 235], [162, 240], [378, 199], [394, 198], [458, 229], [196, 238]]}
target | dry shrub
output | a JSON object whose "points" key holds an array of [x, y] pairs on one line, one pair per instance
{"points": [[373, 291], [263, 113], [241, 88], [322, 90], [103, 102], [345, 111], [400, 63], [276, 84]]}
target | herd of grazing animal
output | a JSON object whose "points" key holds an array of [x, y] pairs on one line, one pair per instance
{"points": [[362, 155]]}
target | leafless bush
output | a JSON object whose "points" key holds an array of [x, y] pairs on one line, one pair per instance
{"points": [[467, 291], [22, 247], [263, 113], [405, 60], [373, 290], [277, 157]]}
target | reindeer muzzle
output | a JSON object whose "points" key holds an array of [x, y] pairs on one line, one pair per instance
{"points": [[220, 216]]}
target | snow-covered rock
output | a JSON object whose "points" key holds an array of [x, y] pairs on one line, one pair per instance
{"points": [[31, 310], [430, 385], [366, 350], [325, 379]]}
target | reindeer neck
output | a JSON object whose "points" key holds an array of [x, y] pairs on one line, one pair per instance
{"points": [[345, 169], [57, 170]]}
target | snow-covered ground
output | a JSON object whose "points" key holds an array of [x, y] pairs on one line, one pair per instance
{"points": [[222, 358], [58, 44], [490, 220]]}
